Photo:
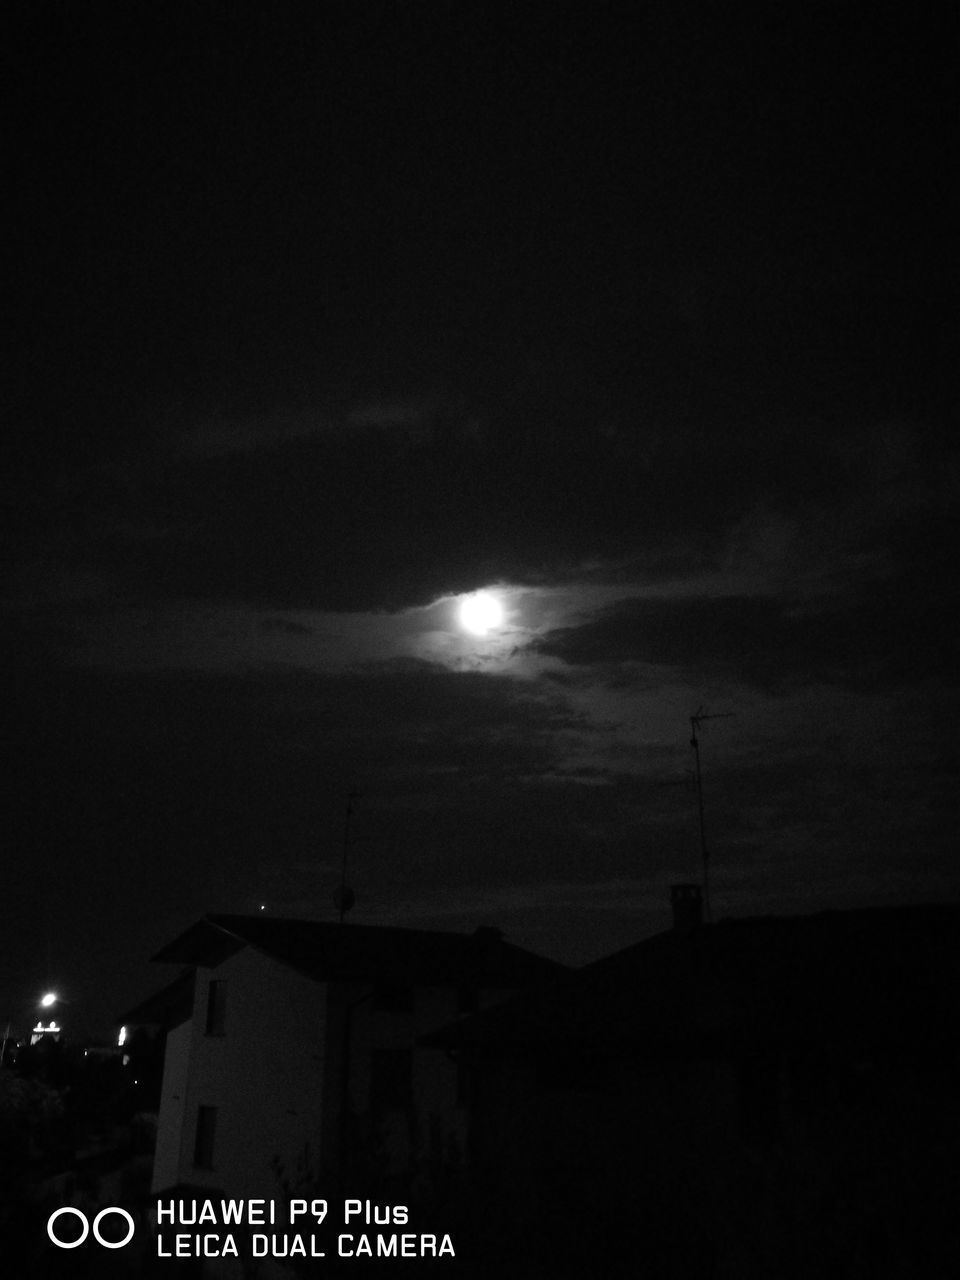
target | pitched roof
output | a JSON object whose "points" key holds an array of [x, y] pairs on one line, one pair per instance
{"points": [[843, 973], [350, 952], [167, 1007]]}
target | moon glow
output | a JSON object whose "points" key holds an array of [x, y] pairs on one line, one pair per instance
{"points": [[481, 613]]}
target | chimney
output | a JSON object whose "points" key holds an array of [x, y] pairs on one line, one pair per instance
{"points": [[687, 903]]}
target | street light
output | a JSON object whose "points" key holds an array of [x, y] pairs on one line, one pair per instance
{"points": [[45, 1002]]}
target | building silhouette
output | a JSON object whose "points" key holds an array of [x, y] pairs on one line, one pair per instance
{"points": [[757, 1097], [292, 1051]]}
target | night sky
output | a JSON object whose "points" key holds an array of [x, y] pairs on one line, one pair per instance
{"points": [[639, 317]]}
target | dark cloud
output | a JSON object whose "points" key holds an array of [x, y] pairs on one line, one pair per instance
{"points": [[579, 286], [145, 752], [881, 636], [335, 520], [286, 627]]}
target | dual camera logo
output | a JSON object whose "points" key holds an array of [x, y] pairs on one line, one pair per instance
{"points": [[85, 1227]]}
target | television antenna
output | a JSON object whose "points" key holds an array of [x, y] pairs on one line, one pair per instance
{"points": [[696, 720]]}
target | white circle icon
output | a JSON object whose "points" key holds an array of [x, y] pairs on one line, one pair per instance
{"points": [[107, 1244], [63, 1244], [123, 1214]]}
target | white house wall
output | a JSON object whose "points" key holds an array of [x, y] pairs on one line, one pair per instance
{"points": [[176, 1067], [264, 1075], [275, 1077]]}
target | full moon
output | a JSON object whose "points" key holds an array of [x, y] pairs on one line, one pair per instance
{"points": [[481, 613]]}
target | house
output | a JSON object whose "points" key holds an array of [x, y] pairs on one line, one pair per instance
{"points": [[291, 1051], [756, 1097]]}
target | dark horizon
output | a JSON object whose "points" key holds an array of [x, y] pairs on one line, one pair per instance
{"points": [[323, 318]]}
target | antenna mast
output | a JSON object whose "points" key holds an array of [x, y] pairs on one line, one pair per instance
{"points": [[696, 720], [344, 897]]}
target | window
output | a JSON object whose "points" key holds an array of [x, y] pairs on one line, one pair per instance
{"points": [[216, 1007], [206, 1132]]}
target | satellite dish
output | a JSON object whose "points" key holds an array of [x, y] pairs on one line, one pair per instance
{"points": [[344, 899]]}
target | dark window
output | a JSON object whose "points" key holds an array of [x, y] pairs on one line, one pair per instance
{"points": [[391, 1078], [393, 997], [216, 1007], [206, 1133]]}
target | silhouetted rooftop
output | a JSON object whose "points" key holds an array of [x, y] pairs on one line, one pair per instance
{"points": [[166, 1007], [888, 971], [351, 952]]}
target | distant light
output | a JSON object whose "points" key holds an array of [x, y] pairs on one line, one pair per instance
{"points": [[122, 1037], [49, 999], [481, 613], [263, 906]]}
